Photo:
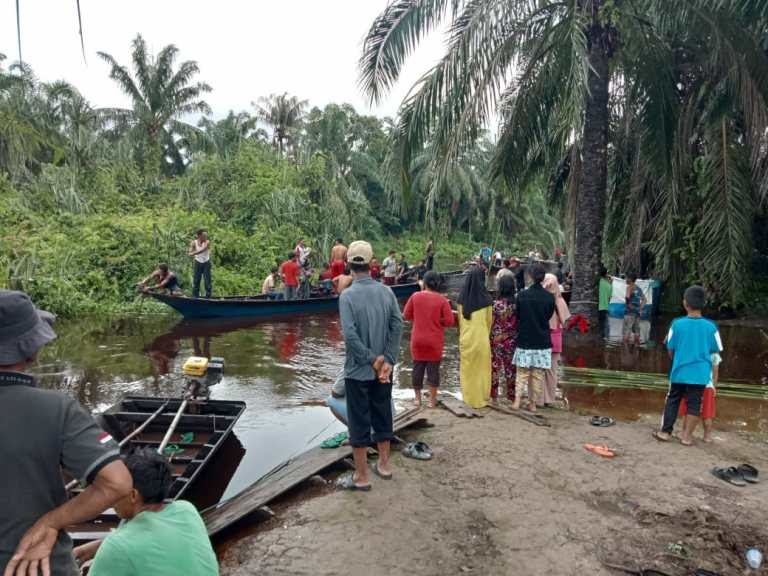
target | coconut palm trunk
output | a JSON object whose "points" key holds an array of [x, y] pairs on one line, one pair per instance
{"points": [[590, 203]]}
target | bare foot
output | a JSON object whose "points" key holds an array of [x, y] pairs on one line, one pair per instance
{"points": [[433, 404], [708, 439], [686, 441]]}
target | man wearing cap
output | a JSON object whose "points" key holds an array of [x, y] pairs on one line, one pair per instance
{"points": [[42, 431], [372, 325]]}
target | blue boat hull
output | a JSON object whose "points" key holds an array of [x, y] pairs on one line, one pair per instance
{"points": [[259, 307]]}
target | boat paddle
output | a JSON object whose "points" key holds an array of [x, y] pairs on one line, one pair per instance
{"points": [[133, 434]]}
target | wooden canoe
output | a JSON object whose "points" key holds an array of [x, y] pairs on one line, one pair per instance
{"points": [[203, 464], [259, 306]]}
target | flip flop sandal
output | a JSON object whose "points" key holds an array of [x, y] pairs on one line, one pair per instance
{"points": [[602, 421], [418, 451], [730, 475], [661, 438], [749, 473], [335, 441], [347, 482], [380, 474], [603, 451]]}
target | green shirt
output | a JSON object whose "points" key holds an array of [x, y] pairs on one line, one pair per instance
{"points": [[606, 289], [170, 542]]}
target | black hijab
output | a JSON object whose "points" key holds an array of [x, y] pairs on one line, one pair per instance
{"points": [[474, 295]]}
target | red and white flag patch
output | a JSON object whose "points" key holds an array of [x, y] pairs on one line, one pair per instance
{"points": [[104, 438]]}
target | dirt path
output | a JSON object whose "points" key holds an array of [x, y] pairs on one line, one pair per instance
{"points": [[505, 497]]}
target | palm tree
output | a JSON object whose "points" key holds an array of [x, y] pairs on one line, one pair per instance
{"points": [[545, 68], [224, 136], [285, 115], [161, 95]]}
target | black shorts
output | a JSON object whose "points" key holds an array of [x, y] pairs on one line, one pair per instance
{"points": [[369, 409], [432, 368]]}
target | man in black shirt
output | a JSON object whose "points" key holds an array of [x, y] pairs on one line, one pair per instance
{"points": [[533, 354], [42, 431]]}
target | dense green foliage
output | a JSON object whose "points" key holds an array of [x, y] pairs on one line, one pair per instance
{"points": [[92, 199], [647, 117]]}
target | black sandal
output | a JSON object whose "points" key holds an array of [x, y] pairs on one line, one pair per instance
{"points": [[348, 483], [602, 421], [749, 473], [730, 475]]}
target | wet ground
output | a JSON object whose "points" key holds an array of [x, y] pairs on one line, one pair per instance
{"points": [[278, 366]]}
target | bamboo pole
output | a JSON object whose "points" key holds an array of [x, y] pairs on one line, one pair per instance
{"points": [[125, 440], [172, 427]]}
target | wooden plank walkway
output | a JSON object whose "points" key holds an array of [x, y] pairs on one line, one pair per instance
{"points": [[286, 476], [457, 407], [537, 419]]}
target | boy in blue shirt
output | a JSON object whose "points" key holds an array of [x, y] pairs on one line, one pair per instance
{"points": [[691, 342]]}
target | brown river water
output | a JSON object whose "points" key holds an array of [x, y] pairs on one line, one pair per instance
{"points": [[278, 366]]}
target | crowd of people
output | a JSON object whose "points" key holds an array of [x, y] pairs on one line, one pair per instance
{"points": [[509, 346], [298, 277]]}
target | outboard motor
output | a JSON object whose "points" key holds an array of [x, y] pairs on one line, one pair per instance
{"points": [[200, 374]]}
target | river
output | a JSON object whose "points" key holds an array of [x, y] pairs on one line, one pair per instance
{"points": [[277, 367]]}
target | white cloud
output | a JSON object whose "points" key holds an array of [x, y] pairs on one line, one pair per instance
{"points": [[245, 49]]}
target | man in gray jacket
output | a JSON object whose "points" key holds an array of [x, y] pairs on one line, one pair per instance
{"points": [[372, 326]]}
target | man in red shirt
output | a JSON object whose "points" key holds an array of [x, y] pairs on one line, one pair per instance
{"points": [[289, 271], [431, 314]]}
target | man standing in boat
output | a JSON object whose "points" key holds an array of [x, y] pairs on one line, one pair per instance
{"points": [[338, 258], [44, 431], [200, 250], [372, 326]]}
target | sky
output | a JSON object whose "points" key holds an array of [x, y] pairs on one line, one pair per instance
{"points": [[245, 48]]}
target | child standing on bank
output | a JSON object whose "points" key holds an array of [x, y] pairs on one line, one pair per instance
{"points": [[691, 342], [707, 402], [431, 314]]}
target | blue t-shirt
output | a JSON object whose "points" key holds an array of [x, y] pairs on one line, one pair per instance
{"points": [[693, 341]]}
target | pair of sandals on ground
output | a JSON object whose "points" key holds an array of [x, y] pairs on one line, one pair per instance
{"points": [[740, 475], [416, 450]]}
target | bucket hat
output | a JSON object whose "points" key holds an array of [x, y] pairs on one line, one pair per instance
{"points": [[24, 329]]}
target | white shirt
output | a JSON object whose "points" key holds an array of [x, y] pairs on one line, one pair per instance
{"points": [[203, 256], [302, 252], [268, 285], [390, 266]]}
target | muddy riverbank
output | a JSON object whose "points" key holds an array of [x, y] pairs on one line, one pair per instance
{"points": [[503, 496]]}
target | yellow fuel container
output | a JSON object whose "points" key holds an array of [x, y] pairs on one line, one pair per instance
{"points": [[195, 366]]}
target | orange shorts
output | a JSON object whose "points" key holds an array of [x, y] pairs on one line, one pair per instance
{"points": [[707, 404]]}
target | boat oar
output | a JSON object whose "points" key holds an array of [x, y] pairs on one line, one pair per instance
{"points": [[133, 434], [172, 427]]}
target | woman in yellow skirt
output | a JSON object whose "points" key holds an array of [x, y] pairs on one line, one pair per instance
{"points": [[475, 320]]}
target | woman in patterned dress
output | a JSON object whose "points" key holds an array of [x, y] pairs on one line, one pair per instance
{"points": [[504, 338]]}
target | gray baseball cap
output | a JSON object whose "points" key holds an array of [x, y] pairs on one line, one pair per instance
{"points": [[23, 328]]}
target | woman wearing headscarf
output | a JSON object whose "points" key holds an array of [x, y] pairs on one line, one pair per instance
{"points": [[556, 323], [475, 320]]}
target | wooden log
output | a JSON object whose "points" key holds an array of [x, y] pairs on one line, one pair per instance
{"points": [[284, 477], [458, 408], [537, 419]]}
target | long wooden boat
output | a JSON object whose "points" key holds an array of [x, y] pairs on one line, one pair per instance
{"points": [[260, 305], [204, 453]]}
